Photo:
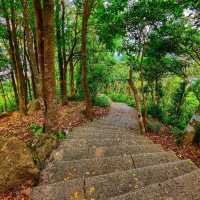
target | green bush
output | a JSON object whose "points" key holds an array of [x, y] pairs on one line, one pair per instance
{"points": [[61, 135], [178, 134], [197, 135], [102, 101], [36, 129], [122, 98], [153, 126], [155, 111]]}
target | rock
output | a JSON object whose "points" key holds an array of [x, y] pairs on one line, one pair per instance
{"points": [[190, 131], [189, 135], [16, 164], [42, 147]]}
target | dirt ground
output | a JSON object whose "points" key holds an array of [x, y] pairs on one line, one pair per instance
{"points": [[167, 140]]}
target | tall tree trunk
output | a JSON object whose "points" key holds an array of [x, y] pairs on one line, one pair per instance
{"points": [[60, 41], [31, 51], [39, 37], [72, 89], [85, 18], [65, 64], [137, 101], [15, 56], [49, 82], [3, 96], [14, 88]]}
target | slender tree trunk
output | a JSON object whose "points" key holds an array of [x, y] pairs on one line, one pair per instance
{"points": [[49, 67], [86, 14], [31, 51], [72, 89], [14, 88], [39, 38], [61, 53], [3, 96], [137, 101], [15, 56], [65, 64]]}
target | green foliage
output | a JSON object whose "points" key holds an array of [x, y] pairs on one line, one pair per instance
{"points": [[36, 129], [155, 111], [61, 135], [178, 134], [197, 135], [102, 101], [153, 126]]}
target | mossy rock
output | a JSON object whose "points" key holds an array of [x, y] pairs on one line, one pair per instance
{"points": [[16, 163], [42, 147]]}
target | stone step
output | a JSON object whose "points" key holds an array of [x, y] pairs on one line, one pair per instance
{"points": [[77, 152], [69, 170], [103, 128], [113, 184], [185, 187], [103, 142], [104, 134]]}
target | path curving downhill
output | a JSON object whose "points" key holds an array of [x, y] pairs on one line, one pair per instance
{"points": [[108, 159]]}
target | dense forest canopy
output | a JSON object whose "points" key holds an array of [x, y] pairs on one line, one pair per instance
{"points": [[144, 53]]}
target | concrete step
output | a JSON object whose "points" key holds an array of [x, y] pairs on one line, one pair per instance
{"points": [[77, 152], [113, 184], [103, 128], [69, 170], [185, 187], [103, 142], [104, 134]]}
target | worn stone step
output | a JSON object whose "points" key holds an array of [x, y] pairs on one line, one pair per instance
{"points": [[102, 134], [77, 152], [69, 170], [185, 187], [103, 128], [119, 183], [113, 184], [103, 142]]}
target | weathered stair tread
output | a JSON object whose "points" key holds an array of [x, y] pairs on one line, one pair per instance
{"points": [[72, 152], [132, 180], [104, 134], [68, 170], [117, 183], [185, 187], [109, 159], [104, 141], [73, 190]]}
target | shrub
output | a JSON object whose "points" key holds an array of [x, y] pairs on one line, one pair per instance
{"points": [[155, 111], [36, 129], [153, 126], [102, 101], [197, 135], [61, 135], [178, 134]]}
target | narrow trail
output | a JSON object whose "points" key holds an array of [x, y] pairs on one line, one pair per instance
{"points": [[109, 159]]}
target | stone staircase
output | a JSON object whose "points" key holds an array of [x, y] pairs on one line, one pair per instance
{"points": [[108, 159]]}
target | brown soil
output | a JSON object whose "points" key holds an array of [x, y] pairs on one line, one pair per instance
{"points": [[167, 140]]}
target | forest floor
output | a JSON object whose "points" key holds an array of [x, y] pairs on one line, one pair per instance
{"points": [[168, 142], [69, 116]]}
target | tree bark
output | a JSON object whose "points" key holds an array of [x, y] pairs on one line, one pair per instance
{"points": [[15, 56], [61, 51], [31, 51], [49, 82], [85, 18], [72, 89], [137, 101], [3, 96]]}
